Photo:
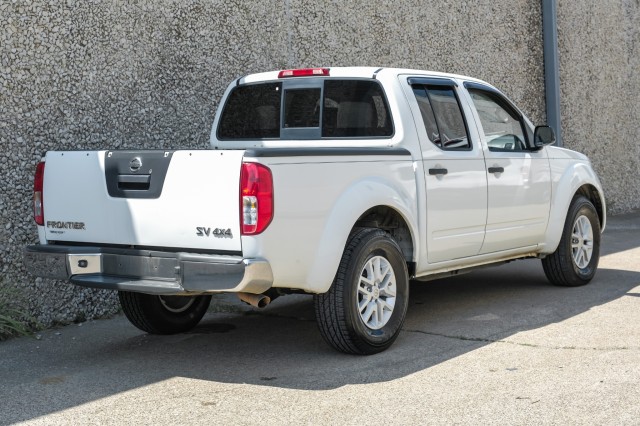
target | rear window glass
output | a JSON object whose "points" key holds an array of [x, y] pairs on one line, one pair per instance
{"points": [[355, 108], [252, 112], [349, 108], [302, 108]]}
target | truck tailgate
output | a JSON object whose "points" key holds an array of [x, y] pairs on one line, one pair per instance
{"points": [[172, 199]]}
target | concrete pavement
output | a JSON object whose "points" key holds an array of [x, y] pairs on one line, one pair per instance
{"points": [[497, 346]]}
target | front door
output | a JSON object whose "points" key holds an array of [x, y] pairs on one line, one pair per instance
{"points": [[519, 179]]}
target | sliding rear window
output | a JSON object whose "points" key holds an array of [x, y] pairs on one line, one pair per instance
{"points": [[327, 108]]}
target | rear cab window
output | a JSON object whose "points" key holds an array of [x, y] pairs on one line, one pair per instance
{"points": [[252, 112], [310, 108]]}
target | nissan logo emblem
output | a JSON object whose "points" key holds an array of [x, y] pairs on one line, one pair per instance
{"points": [[135, 164]]}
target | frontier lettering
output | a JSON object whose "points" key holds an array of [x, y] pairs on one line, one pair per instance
{"points": [[65, 225]]}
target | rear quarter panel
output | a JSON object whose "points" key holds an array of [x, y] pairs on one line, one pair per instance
{"points": [[317, 202]]}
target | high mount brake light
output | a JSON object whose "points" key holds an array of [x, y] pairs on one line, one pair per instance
{"points": [[304, 72], [256, 198], [38, 207]]}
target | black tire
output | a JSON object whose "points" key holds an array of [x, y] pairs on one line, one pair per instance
{"points": [[163, 314], [337, 312], [561, 268]]}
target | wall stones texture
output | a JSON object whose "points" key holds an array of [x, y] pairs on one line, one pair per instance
{"points": [[599, 49], [148, 74]]}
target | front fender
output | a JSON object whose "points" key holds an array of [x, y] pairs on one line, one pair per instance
{"points": [[567, 178], [352, 203]]}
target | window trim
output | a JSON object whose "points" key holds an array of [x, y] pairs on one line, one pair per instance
{"points": [[431, 81]]}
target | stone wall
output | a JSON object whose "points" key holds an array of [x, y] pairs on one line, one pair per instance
{"points": [[149, 74], [599, 50]]}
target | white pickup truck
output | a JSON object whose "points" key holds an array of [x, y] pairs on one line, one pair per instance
{"points": [[344, 183]]}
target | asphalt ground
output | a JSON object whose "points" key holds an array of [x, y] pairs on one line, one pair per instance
{"points": [[495, 346]]}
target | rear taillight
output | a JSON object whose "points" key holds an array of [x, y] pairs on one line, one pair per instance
{"points": [[256, 198], [38, 207], [304, 72]]}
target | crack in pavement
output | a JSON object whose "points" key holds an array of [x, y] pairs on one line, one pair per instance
{"points": [[462, 338], [530, 345]]}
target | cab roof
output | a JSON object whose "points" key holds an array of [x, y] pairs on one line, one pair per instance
{"points": [[357, 72]]}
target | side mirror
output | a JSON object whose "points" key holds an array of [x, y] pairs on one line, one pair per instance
{"points": [[542, 136]]}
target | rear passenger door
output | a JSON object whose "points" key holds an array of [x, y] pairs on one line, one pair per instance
{"points": [[519, 179], [455, 172]]}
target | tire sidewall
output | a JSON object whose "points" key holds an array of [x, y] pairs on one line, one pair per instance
{"points": [[169, 322], [583, 208], [378, 245]]}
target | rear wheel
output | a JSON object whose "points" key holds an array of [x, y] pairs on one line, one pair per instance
{"points": [[575, 261], [163, 314], [363, 311]]}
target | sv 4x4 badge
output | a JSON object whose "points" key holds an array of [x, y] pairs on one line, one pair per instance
{"points": [[217, 232]]}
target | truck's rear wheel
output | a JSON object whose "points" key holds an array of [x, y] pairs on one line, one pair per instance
{"points": [[363, 311], [576, 259], [163, 314]]}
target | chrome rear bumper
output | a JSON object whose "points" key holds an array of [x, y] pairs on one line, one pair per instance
{"points": [[147, 271]]}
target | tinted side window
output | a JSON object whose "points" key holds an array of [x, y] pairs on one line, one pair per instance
{"points": [[501, 126], [442, 117], [428, 118], [252, 112], [355, 108]]}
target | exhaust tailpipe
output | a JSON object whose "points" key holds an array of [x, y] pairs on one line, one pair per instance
{"points": [[257, 300]]}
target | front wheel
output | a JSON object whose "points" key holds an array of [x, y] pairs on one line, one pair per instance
{"points": [[575, 261], [163, 314], [363, 311]]}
